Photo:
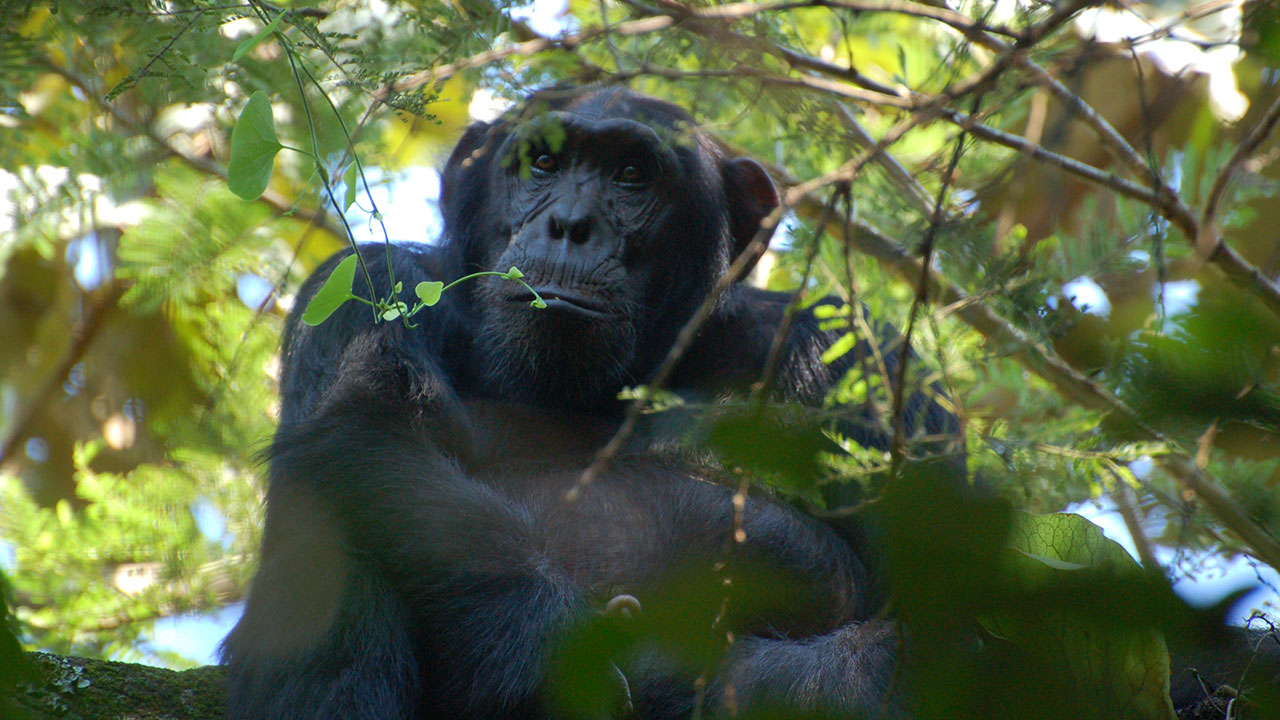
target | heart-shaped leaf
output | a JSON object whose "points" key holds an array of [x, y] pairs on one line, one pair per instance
{"points": [[253, 149], [429, 292], [333, 294]]}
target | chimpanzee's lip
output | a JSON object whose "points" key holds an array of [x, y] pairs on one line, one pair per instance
{"points": [[562, 300]]}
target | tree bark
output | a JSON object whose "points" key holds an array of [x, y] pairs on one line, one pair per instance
{"points": [[72, 688]]}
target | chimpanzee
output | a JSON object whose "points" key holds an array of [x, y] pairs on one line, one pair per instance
{"points": [[420, 558]]}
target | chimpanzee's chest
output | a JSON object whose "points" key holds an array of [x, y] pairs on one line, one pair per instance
{"points": [[628, 528]]}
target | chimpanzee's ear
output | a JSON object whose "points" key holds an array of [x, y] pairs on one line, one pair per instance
{"points": [[751, 197], [473, 149]]}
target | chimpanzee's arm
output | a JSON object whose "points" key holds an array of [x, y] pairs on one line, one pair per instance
{"points": [[482, 607], [845, 673], [392, 585], [452, 620], [486, 585], [323, 633], [424, 358], [371, 434]]}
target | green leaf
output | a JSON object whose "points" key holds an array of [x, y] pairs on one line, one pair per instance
{"points": [[391, 313], [253, 149], [513, 274], [777, 444], [352, 180], [539, 303], [838, 348], [429, 292], [252, 42], [1122, 661], [333, 294], [1052, 562], [826, 311], [65, 515], [1263, 27]]}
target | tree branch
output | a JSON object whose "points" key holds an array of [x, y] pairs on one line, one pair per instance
{"points": [[1071, 383], [272, 199], [82, 335], [1247, 148]]}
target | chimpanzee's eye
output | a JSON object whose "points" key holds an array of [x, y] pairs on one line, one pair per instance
{"points": [[631, 175], [545, 163]]}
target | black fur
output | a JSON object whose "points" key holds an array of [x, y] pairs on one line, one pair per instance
{"points": [[419, 558]]}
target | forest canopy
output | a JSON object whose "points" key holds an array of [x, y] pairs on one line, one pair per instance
{"points": [[1068, 209]]}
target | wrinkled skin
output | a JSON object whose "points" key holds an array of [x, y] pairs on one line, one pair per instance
{"points": [[419, 558], [591, 203]]}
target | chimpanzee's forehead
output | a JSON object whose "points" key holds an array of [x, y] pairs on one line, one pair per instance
{"points": [[616, 102], [595, 109]]}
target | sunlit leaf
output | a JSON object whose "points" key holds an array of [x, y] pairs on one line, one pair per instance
{"points": [[252, 42], [253, 149], [335, 292], [839, 348], [429, 292], [352, 181], [1124, 663]]}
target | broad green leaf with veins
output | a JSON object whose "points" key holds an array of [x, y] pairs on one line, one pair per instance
{"points": [[253, 149], [333, 294]]}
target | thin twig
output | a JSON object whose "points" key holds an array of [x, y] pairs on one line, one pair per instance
{"points": [[1127, 504], [102, 303], [1180, 216], [957, 20], [1177, 214], [899, 387], [859, 323], [683, 341], [141, 73], [1177, 21], [1112, 140], [1246, 149], [894, 169], [1238, 270], [813, 82], [270, 198], [1071, 383], [749, 255], [770, 373], [708, 21], [527, 48], [708, 26], [934, 106]]}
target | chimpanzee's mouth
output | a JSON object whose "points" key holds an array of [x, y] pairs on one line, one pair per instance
{"points": [[564, 301]]}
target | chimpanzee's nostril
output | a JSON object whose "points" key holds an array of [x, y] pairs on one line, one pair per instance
{"points": [[556, 228], [577, 230], [580, 231]]}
